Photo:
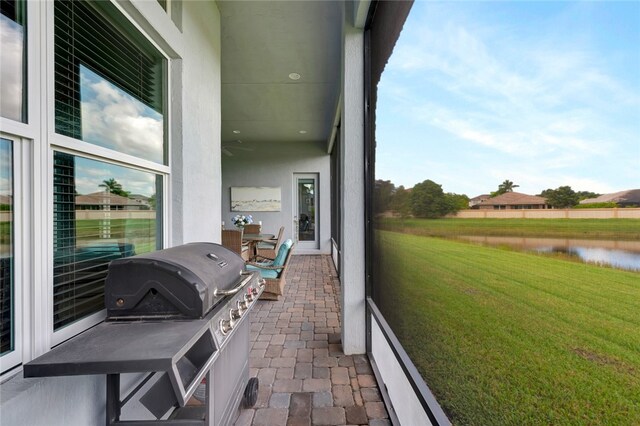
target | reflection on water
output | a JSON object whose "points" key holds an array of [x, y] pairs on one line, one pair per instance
{"points": [[617, 254]]}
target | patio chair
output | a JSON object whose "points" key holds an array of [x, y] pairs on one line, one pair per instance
{"points": [[252, 229], [273, 271], [232, 239], [269, 248]]}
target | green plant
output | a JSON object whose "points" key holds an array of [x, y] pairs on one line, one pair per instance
{"points": [[609, 205]]}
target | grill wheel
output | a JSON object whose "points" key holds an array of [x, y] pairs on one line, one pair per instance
{"points": [[251, 393]]}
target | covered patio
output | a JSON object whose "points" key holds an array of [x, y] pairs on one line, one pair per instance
{"points": [[255, 95], [296, 353]]}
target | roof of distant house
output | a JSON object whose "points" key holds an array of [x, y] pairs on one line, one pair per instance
{"points": [[515, 198], [628, 196], [138, 197], [480, 197], [104, 198]]}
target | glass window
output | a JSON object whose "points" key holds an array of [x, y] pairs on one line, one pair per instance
{"points": [[336, 184], [101, 212], [306, 209], [13, 63], [507, 231], [108, 82], [7, 299]]}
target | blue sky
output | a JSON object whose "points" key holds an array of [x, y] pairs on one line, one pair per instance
{"points": [[6, 167], [541, 93], [91, 173]]}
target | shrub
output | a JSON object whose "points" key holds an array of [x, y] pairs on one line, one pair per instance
{"points": [[609, 205]]}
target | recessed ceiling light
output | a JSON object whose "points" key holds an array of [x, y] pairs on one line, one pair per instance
{"points": [[302, 132], [236, 131], [294, 76]]}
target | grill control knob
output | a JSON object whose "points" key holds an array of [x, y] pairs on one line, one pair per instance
{"points": [[225, 326], [248, 298], [242, 305], [234, 314], [254, 291]]}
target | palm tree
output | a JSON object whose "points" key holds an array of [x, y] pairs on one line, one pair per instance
{"points": [[507, 186], [114, 187], [504, 187]]}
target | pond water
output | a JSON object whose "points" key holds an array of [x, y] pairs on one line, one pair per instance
{"points": [[617, 254]]}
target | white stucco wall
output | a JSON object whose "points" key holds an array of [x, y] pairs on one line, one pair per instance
{"points": [[275, 164], [352, 216], [201, 124], [195, 203]]}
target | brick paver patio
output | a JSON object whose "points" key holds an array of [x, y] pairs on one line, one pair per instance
{"points": [[305, 378]]}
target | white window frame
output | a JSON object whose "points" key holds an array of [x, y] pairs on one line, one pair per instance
{"points": [[61, 143], [20, 165], [34, 144], [66, 332], [24, 136]]}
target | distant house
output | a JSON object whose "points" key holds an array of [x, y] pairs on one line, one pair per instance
{"points": [[6, 199], [142, 200], [106, 201], [474, 203], [628, 198], [514, 201]]}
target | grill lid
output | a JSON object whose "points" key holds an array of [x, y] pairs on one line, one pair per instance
{"points": [[186, 281]]}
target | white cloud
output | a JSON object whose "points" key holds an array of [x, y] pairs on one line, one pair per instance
{"points": [[11, 70], [546, 110], [86, 185], [114, 119], [6, 186], [89, 174]]}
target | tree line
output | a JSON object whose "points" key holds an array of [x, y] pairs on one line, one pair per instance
{"points": [[428, 200], [564, 197], [425, 200]]}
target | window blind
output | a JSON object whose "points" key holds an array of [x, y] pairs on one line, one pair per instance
{"points": [[105, 73], [84, 36], [93, 226], [74, 295]]}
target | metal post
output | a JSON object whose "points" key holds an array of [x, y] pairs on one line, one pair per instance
{"points": [[209, 407], [113, 398]]}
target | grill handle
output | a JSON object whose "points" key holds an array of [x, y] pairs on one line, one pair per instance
{"points": [[234, 290]]}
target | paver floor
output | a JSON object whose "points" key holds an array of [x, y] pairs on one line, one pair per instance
{"points": [[305, 378]]}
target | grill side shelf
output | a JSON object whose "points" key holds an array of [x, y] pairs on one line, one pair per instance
{"points": [[115, 347]]}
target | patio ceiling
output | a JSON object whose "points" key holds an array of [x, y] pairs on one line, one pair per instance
{"points": [[262, 43]]}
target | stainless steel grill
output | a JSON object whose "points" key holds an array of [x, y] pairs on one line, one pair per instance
{"points": [[181, 282], [180, 314]]}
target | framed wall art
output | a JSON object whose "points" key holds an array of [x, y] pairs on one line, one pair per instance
{"points": [[256, 199]]}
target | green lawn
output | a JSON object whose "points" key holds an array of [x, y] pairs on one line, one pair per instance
{"points": [[617, 229], [510, 338], [140, 232], [5, 232]]}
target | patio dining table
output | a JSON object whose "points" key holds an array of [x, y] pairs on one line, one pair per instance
{"points": [[254, 239]]}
